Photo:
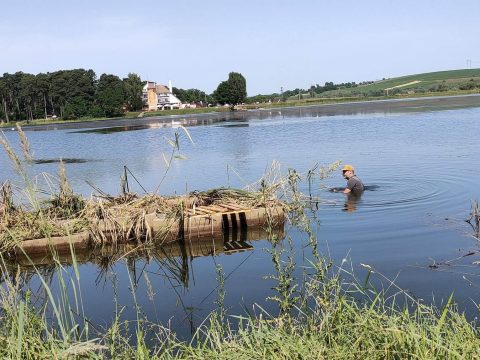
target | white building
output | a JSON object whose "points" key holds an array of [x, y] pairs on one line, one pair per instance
{"points": [[159, 97]]}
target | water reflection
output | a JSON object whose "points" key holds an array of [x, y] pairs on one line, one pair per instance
{"points": [[65, 161], [173, 258], [352, 200]]}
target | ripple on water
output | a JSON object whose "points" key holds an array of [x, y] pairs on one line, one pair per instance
{"points": [[403, 193]]}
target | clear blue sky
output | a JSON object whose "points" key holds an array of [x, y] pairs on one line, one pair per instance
{"points": [[272, 43]]}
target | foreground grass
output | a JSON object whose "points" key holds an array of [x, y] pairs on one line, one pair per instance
{"points": [[333, 326]]}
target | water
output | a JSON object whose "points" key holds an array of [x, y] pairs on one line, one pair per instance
{"points": [[422, 167]]}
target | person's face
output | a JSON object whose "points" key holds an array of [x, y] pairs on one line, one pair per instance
{"points": [[347, 174]]}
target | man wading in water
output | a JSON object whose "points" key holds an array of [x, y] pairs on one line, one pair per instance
{"points": [[354, 185]]}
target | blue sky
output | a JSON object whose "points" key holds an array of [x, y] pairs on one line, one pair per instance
{"points": [[272, 43]]}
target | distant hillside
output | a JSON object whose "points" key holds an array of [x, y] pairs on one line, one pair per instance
{"points": [[434, 81]]}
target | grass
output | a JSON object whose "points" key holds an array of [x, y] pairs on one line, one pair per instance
{"points": [[322, 318], [129, 115], [452, 79]]}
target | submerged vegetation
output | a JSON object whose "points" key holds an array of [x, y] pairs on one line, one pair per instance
{"points": [[325, 312]]}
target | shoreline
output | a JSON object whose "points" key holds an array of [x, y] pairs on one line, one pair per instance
{"points": [[431, 103]]}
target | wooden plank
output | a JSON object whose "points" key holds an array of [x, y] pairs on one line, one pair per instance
{"points": [[233, 207], [205, 209], [200, 211], [237, 206], [217, 208]]}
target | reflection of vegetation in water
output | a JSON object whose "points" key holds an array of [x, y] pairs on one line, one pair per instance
{"points": [[65, 161]]}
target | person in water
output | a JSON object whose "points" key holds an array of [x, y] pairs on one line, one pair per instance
{"points": [[354, 184]]}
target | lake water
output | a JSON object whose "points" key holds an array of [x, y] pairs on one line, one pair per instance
{"points": [[422, 163]]}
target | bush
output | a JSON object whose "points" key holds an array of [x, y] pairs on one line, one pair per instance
{"points": [[470, 85]]}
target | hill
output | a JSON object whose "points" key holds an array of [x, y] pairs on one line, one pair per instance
{"points": [[464, 79]]}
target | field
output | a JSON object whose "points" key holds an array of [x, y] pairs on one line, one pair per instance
{"points": [[452, 80]]}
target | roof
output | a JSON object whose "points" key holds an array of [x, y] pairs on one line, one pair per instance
{"points": [[161, 89]]}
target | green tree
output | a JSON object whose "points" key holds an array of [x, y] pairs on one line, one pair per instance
{"points": [[237, 87], [132, 88], [191, 95], [76, 107], [109, 95], [233, 91], [222, 93], [3, 99]]}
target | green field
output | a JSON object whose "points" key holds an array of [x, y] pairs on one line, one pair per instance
{"points": [[451, 80]]}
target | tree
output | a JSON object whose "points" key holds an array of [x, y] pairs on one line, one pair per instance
{"points": [[233, 91], [75, 108], [237, 87], [222, 93], [191, 95], [3, 98], [132, 89], [109, 95]]}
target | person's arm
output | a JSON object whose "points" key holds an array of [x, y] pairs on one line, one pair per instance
{"points": [[350, 185]]}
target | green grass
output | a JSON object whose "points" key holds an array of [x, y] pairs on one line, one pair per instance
{"points": [[427, 80], [333, 325], [128, 115]]}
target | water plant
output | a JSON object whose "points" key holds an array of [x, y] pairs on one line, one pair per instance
{"points": [[474, 219]]}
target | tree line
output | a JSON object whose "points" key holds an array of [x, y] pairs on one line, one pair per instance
{"points": [[78, 93], [68, 94]]}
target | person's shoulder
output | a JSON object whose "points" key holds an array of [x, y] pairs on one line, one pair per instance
{"points": [[352, 180]]}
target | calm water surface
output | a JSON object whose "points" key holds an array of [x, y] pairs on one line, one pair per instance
{"points": [[423, 166]]}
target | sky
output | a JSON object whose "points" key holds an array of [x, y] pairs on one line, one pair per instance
{"points": [[274, 44]]}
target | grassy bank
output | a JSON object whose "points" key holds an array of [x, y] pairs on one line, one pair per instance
{"points": [[322, 318], [305, 101], [128, 115], [345, 98]]}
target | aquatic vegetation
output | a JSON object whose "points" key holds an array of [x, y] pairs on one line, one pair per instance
{"points": [[333, 318], [474, 219]]}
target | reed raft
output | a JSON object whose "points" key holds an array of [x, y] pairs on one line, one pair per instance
{"points": [[68, 221]]}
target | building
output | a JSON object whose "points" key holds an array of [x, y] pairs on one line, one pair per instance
{"points": [[157, 97]]}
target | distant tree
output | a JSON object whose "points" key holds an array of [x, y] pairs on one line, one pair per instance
{"points": [[191, 95], [237, 88], [470, 85], [66, 85], [109, 95], [43, 88], [132, 88], [76, 108], [222, 93], [3, 99], [233, 91], [443, 86]]}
